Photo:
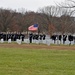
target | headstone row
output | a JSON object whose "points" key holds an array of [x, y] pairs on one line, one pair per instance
{"points": [[38, 38]]}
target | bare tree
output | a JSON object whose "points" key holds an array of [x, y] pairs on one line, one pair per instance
{"points": [[69, 5], [6, 17], [49, 13]]}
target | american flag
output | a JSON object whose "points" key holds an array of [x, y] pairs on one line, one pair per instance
{"points": [[33, 27]]}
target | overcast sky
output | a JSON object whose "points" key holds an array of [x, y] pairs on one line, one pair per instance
{"points": [[32, 5]]}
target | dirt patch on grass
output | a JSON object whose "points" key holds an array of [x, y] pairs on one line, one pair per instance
{"points": [[38, 46]]}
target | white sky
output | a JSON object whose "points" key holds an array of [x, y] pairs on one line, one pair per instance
{"points": [[32, 5]]}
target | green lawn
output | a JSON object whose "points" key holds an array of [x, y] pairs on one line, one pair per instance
{"points": [[36, 62]]}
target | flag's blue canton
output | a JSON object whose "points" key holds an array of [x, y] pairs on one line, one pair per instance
{"points": [[35, 25]]}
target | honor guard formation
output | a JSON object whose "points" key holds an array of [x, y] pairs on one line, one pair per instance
{"points": [[37, 38]]}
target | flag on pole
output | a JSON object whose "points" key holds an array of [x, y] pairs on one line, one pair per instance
{"points": [[33, 27]]}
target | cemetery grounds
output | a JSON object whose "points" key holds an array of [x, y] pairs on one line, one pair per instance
{"points": [[37, 59]]}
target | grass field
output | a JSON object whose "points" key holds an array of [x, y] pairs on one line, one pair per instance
{"points": [[42, 61]]}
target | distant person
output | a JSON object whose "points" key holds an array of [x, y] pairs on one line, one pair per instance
{"points": [[70, 38], [44, 36], [30, 37], [53, 37], [64, 38]]}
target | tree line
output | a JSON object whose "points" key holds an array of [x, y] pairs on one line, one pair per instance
{"points": [[51, 19]]}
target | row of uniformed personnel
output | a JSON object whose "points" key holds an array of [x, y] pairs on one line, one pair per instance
{"points": [[36, 37], [63, 37], [13, 37]]}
